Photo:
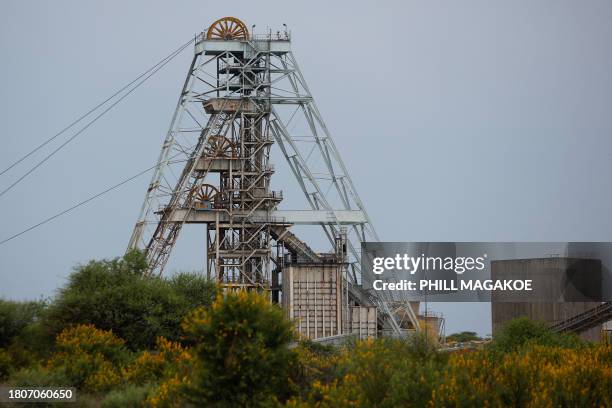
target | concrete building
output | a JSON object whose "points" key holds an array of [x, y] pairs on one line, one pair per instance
{"points": [[562, 281]]}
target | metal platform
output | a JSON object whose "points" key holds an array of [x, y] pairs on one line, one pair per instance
{"points": [[247, 48], [281, 217]]}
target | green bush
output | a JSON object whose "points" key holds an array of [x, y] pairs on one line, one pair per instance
{"points": [[113, 295], [37, 376], [413, 383], [409, 366], [241, 354], [22, 335], [15, 317], [5, 364], [520, 332], [129, 397]]}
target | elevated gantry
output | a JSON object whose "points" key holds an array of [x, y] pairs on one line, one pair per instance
{"points": [[242, 94]]}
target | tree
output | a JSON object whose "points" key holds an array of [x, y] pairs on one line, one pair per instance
{"points": [[113, 295], [22, 336], [241, 350], [15, 317], [463, 337]]}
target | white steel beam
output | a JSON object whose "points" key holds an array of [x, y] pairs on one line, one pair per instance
{"points": [[294, 217]]}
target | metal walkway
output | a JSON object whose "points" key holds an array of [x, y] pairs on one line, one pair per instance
{"points": [[585, 320], [293, 243]]}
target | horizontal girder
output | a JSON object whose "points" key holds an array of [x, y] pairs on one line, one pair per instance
{"points": [[295, 217]]}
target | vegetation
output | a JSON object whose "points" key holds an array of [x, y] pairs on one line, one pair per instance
{"points": [[128, 341], [15, 317], [241, 352], [112, 295], [521, 332], [21, 337], [130, 396], [463, 336]]}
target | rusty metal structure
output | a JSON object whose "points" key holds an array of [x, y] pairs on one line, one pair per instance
{"points": [[242, 94]]}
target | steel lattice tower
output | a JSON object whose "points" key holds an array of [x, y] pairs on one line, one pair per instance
{"points": [[242, 94]]}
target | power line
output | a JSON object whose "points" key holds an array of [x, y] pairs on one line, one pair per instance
{"points": [[127, 180], [37, 148], [156, 68]]}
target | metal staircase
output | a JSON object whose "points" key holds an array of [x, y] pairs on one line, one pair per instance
{"points": [[585, 320]]}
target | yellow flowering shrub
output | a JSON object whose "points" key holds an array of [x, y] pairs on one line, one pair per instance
{"points": [[169, 393], [152, 366], [342, 394], [88, 357], [574, 378], [104, 377], [241, 352], [382, 373], [537, 377], [315, 363], [391, 373], [466, 382]]}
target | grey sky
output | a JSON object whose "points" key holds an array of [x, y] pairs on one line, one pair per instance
{"points": [[471, 120]]}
